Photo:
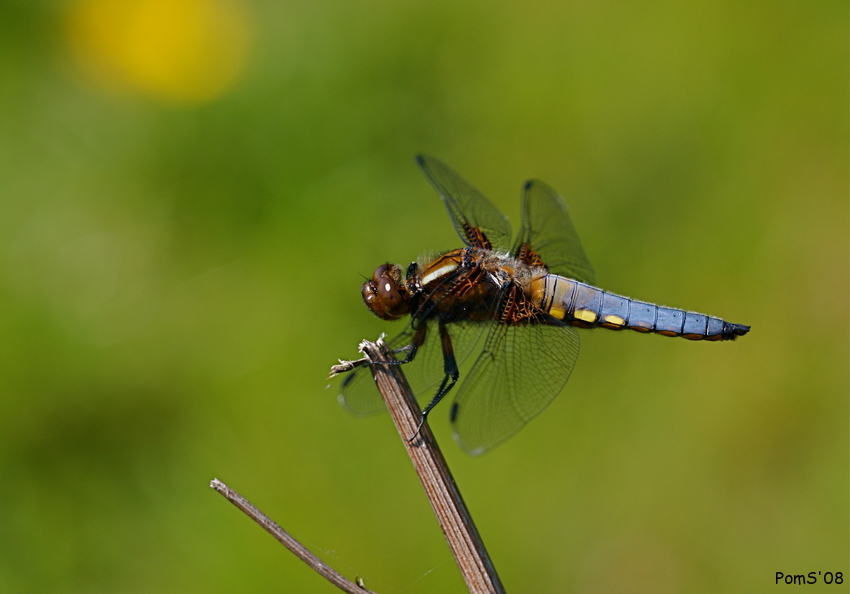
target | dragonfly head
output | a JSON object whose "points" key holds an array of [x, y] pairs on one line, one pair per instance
{"points": [[384, 293]]}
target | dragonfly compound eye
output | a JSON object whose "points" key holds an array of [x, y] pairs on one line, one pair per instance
{"points": [[382, 293]]}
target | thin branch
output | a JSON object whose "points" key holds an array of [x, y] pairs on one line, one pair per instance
{"points": [[452, 514], [288, 541], [451, 511]]}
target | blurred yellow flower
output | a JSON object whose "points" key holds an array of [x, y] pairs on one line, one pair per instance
{"points": [[188, 51]]}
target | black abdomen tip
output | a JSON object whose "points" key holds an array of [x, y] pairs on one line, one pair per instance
{"points": [[732, 331]]}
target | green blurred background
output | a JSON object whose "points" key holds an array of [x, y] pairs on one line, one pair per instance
{"points": [[191, 189]]}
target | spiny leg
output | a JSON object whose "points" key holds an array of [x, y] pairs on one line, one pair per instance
{"points": [[449, 379]]}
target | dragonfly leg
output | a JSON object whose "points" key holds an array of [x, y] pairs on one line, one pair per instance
{"points": [[410, 349], [449, 379]]}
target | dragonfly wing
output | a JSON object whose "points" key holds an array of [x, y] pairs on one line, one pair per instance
{"points": [[548, 231], [519, 372], [474, 216], [358, 393]]}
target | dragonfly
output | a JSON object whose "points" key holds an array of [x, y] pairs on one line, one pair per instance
{"points": [[507, 312]]}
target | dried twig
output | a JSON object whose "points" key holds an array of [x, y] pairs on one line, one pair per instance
{"points": [[475, 565], [454, 518], [288, 541]]}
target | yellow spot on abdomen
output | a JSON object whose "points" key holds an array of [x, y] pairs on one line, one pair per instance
{"points": [[615, 320], [585, 315], [557, 312]]}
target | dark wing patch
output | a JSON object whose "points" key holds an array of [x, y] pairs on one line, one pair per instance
{"points": [[518, 373], [477, 221]]}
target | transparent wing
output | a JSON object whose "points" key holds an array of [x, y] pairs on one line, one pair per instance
{"points": [[519, 372], [358, 393], [468, 208], [547, 230]]}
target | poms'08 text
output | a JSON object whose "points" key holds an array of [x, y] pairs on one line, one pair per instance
{"points": [[813, 577]]}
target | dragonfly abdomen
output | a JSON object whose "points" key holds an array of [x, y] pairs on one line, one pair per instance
{"points": [[586, 306]]}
